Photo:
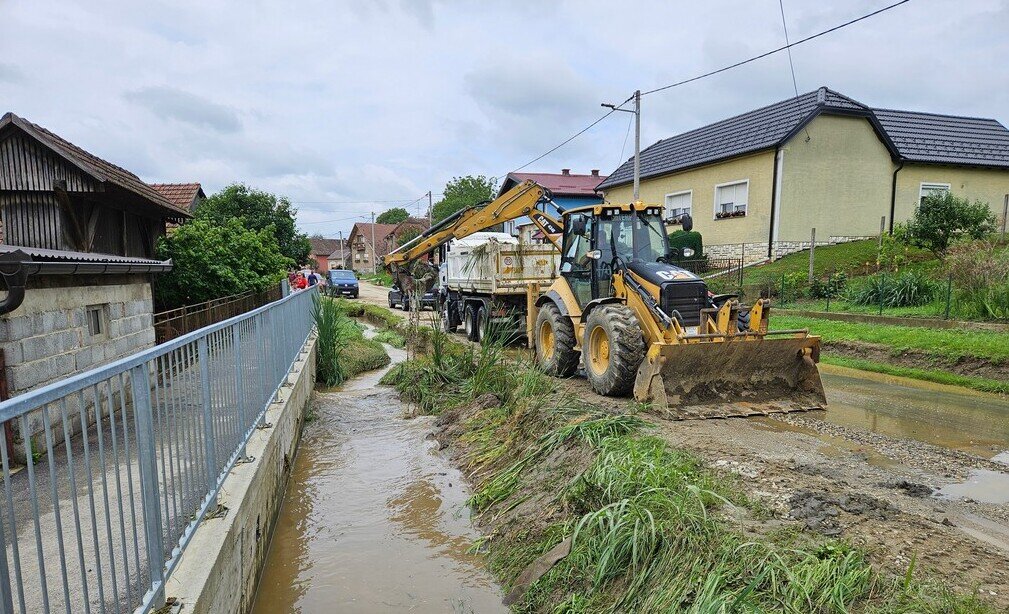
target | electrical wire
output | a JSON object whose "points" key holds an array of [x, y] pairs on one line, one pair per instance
{"points": [[778, 50], [791, 66], [630, 121]]}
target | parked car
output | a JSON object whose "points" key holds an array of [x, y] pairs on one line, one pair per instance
{"points": [[402, 299], [342, 281]]}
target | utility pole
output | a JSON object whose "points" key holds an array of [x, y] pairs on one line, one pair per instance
{"points": [[374, 248], [343, 257], [637, 139], [430, 208]]}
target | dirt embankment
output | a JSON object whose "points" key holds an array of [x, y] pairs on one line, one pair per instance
{"points": [[968, 366]]}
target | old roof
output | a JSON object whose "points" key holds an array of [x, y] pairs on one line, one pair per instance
{"points": [[946, 139], [561, 184], [324, 247], [182, 195], [101, 170], [415, 222], [364, 229], [746, 133]]}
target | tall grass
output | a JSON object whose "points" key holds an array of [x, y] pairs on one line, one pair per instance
{"points": [[342, 351], [906, 289]]}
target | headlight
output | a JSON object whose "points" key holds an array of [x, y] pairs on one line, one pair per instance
{"points": [[687, 252]]}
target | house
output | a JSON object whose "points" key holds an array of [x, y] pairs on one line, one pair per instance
{"points": [[756, 184], [405, 231], [327, 253], [77, 258], [567, 190], [367, 244], [185, 196]]}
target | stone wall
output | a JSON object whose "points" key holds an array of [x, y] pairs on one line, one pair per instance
{"points": [[757, 252], [48, 338]]}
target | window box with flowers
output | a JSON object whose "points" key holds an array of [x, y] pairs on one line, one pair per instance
{"points": [[731, 199]]}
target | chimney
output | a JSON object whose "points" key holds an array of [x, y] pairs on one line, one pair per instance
{"points": [[565, 171], [595, 172]]}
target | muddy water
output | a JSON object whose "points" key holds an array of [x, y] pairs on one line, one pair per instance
{"points": [[947, 416], [373, 519]]}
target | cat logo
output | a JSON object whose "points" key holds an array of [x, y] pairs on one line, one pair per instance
{"points": [[507, 260]]}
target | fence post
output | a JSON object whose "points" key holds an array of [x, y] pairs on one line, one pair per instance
{"points": [[882, 291], [143, 413], [209, 444], [236, 337], [783, 301], [879, 243], [1005, 215], [812, 249], [6, 595], [949, 294]]}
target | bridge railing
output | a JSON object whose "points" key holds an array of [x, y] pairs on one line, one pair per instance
{"points": [[129, 458]]}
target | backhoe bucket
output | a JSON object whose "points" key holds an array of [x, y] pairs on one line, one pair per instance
{"points": [[742, 376]]}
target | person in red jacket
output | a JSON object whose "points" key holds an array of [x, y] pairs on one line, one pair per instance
{"points": [[300, 283]]}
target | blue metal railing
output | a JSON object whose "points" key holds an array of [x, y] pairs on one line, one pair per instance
{"points": [[124, 461]]}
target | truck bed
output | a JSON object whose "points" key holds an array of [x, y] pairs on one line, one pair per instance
{"points": [[500, 268]]}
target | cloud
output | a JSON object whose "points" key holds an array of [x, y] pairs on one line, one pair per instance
{"points": [[186, 107], [10, 73]]}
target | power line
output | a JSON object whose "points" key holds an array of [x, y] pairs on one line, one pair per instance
{"points": [[778, 50], [791, 66], [357, 202]]}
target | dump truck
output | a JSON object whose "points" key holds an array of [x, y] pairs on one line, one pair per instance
{"points": [[484, 281], [637, 323]]}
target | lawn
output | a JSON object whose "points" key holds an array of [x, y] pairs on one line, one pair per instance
{"points": [[947, 343]]}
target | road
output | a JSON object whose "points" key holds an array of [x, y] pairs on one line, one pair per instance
{"points": [[374, 294]]}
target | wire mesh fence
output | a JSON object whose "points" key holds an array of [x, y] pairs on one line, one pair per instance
{"points": [[118, 465]]}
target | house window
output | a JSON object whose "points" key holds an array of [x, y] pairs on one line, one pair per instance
{"points": [[731, 199], [678, 204], [927, 189], [95, 317]]}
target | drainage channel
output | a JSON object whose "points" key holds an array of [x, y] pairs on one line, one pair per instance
{"points": [[374, 519]]}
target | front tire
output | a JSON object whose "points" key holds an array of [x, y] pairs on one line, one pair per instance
{"points": [[612, 349], [554, 338], [392, 303]]}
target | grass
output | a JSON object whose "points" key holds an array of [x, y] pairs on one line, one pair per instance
{"points": [[929, 375], [391, 337], [342, 351], [649, 525], [382, 278], [950, 344]]}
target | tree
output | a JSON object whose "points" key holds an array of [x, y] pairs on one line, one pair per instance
{"points": [[211, 260], [408, 234], [392, 216], [942, 219], [258, 210], [462, 192]]}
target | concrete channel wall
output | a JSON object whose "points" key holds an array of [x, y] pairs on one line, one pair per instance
{"points": [[219, 569]]}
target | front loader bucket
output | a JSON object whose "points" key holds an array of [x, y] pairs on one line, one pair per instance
{"points": [[741, 376]]}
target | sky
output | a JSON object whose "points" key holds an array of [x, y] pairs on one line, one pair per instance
{"points": [[349, 107]]}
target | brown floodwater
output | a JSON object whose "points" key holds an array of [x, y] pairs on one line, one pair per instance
{"points": [[947, 416], [374, 519]]}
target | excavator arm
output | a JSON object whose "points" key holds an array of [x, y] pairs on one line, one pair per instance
{"points": [[513, 204]]}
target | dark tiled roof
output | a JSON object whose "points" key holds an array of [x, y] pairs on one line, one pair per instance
{"points": [[182, 195], [558, 183], [98, 168], [752, 131], [946, 139], [324, 247]]}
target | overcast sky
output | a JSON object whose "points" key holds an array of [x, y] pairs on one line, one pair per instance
{"points": [[372, 100]]}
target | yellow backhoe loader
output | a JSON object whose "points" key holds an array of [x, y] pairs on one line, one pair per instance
{"points": [[638, 323]]}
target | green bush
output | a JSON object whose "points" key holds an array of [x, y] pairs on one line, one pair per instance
{"points": [[342, 351], [681, 238], [942, 219], [907, 289], [831, 287], [980, 274]]}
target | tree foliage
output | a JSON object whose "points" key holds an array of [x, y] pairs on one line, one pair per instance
{"points": [[462, 192], [408, 234], [943, 218], [258, 210], [212, 260], [392, 216]]}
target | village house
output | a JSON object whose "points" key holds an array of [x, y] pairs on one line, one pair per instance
{"points": [[756, 184], [186, 196], [326, 253], [405, 231], [368, 242], [567, 191], [77, 257]]}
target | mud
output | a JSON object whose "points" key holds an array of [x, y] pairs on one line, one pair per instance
{"points": [[374, 519]]}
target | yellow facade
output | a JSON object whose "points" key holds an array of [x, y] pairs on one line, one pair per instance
{"points": [[836, 176], [757, 169], [988, 185]]}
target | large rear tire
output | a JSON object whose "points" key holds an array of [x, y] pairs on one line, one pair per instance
{"points": [[554, 337], [482, 323], [447, 324], [469, 323], [612, 349]]}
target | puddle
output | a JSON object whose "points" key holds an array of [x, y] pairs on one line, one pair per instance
{"points": [[947, 416], [834, 447], [982, 485], [374, 520]]}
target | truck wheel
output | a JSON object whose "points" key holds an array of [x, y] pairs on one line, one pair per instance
{"points": [[469, 323], [447, 324], [554, 337], [406, 303], [482, 324], [392, 303], [612, 349]]}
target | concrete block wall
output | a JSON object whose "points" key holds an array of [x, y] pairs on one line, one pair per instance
{"points": [[46, 338], [756, 252]]}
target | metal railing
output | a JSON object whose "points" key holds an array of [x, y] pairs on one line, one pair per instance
{"points": [[129, 458], [171, 323]]}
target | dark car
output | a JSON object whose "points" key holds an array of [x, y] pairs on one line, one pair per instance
{"points": [[399, 298], [342, 281]]}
